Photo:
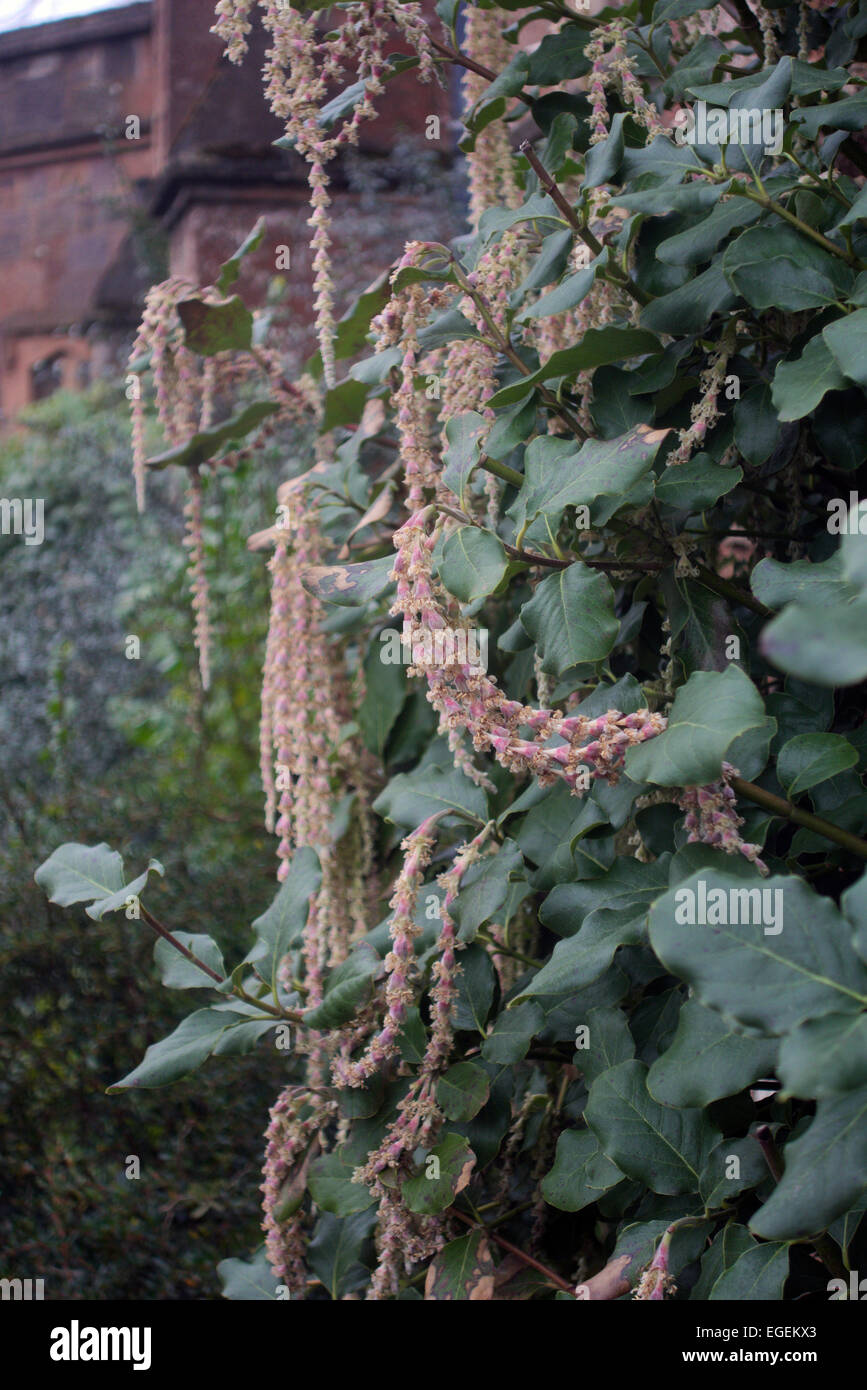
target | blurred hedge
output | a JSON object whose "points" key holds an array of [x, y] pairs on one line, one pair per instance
{"points": [[93, 743]]}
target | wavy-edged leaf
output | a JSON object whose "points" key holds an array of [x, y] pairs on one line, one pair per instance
{"points": [[661, 1147]]}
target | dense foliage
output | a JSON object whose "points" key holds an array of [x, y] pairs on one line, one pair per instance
{"points": [[562, 709], [97, 746]]}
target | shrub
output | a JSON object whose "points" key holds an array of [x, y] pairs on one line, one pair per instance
{"points": [[561, 732]]}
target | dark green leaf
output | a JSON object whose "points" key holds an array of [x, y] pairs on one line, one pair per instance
{"points": [[571, 618], [176, 972], [598, 347], [512, 1033], [475, 989], [825, 1171], [825, 1055], [808, 759], [709, 713], [795, 962], [581, 1173], [707, 1058], [411, 797], [462, 1091], [757, 1275], [206, 443], [431, 1194], [663, 1148], [332, 1188], [800, 385], [473, 563], [333, 1252]]}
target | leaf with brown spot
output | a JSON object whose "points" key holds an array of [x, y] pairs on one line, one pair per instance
{"points": [[515, 1282], [463, 1269], [347, 585], [465, 1175]]}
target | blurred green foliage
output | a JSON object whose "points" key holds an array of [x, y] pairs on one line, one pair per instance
{"points": [[96, 747]]}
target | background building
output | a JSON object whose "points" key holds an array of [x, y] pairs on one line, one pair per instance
{"points": [[130, 148]]}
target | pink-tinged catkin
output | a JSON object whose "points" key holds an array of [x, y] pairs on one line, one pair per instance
{"points": [[490, 165], [307, 764], [470, 369], [611, 68], [298, 694], [419, 1118], [399, 963], [161, 338], [712, 818], [469, 378], [295, 1118], [195, 545], [706, 411], [300, 65], [404, 1238]]}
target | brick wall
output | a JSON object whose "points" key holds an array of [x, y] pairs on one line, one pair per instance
{"points": [[85, 210]]}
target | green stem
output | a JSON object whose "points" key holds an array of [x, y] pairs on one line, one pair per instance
{"points": [[532, 557], [779, 807], [499, 950], [501, 470], [771, 205], [827, 185]]}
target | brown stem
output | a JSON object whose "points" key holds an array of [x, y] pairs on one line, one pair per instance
{"points": [[173, 941], [773, 1157], [454, 56], [826, 1248], [552, 189], [779, 807], [733, 592], [206, 969], [505, 347], [531, 557], [513, 1250]]}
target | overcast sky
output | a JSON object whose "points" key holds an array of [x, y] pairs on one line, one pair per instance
{"points": [[15, 13]]}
